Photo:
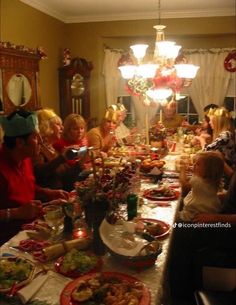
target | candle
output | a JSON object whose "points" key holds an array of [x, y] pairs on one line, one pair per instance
{"points": [[161, 115], [80, 233]]}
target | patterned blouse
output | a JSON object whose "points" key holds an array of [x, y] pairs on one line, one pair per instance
{"points": [[224, 143]]}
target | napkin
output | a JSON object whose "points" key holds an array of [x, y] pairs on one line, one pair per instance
{"points": [[27, 292], [22, 235], [113, 238], [155, 171]]}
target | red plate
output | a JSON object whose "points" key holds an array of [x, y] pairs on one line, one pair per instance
{"points": [[165, 227], [16, 284], [65, 298], [148, 195], [77, 273]]}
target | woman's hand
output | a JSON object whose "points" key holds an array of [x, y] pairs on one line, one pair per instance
{"points": [[55, 202], [56, 194], [28, 211]]}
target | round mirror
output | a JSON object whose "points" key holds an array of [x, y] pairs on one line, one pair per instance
{"points": [[19, 90], [77, 85]]}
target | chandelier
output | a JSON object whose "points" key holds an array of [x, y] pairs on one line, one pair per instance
{"points": [[165, 76]]}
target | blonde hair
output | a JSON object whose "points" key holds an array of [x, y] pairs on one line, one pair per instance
{"points": [[71, 120], [45, 118], [213, 166], [221, 120]]}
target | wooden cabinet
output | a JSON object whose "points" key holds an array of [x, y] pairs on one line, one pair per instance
{"points": [[19, 83], [74, 88]]}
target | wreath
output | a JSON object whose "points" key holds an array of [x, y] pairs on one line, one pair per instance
{"points": [[230, 62]]}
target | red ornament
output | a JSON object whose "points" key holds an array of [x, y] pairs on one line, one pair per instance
{"points": [[230, 62]]}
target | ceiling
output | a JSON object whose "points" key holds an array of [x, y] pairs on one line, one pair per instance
{"points": [[70, 11]]}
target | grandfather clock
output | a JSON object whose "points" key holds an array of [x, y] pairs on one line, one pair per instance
{"points": [[74, 88]]}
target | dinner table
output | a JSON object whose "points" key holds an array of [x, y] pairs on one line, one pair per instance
{"points": [[47, 285]]}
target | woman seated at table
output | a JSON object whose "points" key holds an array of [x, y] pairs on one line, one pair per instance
{"points": [[73, 134], [102, 138], [51, 167], [205, 130], [223, 135], [124, 135]]}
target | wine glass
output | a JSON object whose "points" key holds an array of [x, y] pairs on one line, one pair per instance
{"points": [[54, 217]]}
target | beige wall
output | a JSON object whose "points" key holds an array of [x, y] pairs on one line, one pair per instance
{"points": [[87, 40]]}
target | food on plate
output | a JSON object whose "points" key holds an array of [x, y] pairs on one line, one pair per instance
{"points": [[14, 270], [147, 165], [154, 228], [78, 261], [161, 192], [105, 290]]}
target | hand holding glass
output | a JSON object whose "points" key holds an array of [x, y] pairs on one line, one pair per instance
{"points": [[54, 217]]}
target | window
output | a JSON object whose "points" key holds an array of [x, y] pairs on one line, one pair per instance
{"points": [[185, 107], [126, 101]]}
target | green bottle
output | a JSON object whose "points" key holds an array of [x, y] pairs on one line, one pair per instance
{"points": [[132, 203]]}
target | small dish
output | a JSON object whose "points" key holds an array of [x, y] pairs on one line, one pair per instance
{"points": [[76, 263], [15, 272], [156, 228], [160, 194]]}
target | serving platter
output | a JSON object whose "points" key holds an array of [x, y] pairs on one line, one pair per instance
{"points": [[110, 278]]}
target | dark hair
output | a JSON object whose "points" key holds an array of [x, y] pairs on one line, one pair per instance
{"points": [[209, 106], [10, 142]]}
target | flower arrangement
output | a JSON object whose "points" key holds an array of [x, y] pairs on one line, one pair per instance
{"points": [[110, 187], [157, 134], [100, 196]]}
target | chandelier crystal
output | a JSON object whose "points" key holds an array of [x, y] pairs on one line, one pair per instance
{"points": [[166, 75]]}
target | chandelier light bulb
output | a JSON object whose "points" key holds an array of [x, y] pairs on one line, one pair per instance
{"points": [[147, 70], [173, 51], [159, 94], [128, 71], [163, 48], [139, 50], [186, 70]]}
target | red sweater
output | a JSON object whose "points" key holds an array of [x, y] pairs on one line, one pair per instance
{"points": [[17, 182]]}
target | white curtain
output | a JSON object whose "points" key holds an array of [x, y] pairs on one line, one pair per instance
{"points": [[112, 75], [212, 81]]}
